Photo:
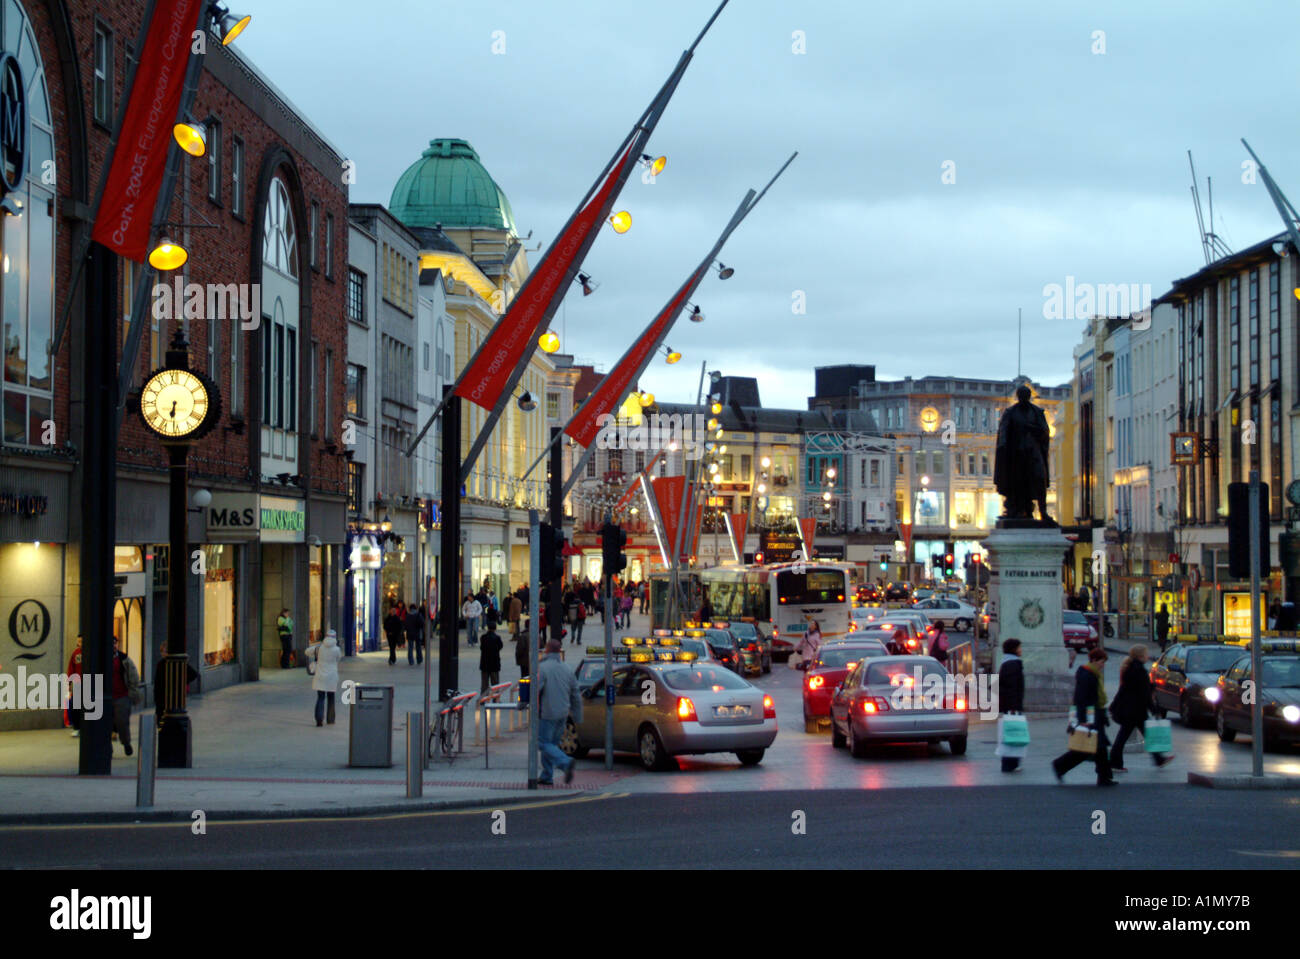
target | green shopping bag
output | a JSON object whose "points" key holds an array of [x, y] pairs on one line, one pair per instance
{"points": [[1159, 736], [1013, 731]]}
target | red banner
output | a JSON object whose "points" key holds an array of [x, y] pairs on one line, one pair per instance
{"points": [[668, 503], [739, 527], [906, 530], [488, 376], [614, 388], [125, 216], [808, 529]]}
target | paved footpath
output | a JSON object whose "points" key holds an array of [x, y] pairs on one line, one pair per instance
{"points": [[258, 752]]}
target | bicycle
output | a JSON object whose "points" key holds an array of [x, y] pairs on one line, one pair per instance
{"points": [[446, 731]]}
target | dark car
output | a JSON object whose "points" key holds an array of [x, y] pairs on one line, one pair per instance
{"points": [[753, 642], [869, 593], [727, 651], [1279, 695], [1181, 677], [898, 591], [827, 671]]}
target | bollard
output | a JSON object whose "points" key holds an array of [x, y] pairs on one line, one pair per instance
{"points": [[414, 760], [145, 764]]}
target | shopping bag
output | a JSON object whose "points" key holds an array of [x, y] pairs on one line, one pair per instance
{"points": [[1159, 737], [1013, 731], [1083, 739]]}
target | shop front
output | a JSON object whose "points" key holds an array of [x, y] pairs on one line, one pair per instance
{"points": [[365, 559]]}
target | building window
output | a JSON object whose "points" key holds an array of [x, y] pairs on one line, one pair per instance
{"points": [[329, 246], [103, 94], [279, 236], [591, 466], [1253, 317], [875, 472], [312, 388], [236, 176], [984, 464], [970, 464], [426, 357], [313, 222], [552, 406], [1274, 322], [356, 486], [27, 243], [214, 159], [329, 394], [356, 297], [355, 386], [220, 606], [1234, 332], [640, 461]]}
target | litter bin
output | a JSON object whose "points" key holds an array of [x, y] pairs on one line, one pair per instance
{"points": [[370, 729], [525, 690]]}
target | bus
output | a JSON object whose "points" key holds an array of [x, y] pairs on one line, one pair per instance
{"points": [[777, 598]]}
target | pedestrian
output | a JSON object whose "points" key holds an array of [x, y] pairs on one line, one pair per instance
{"points": [[126, 693], [627, 609], [579, 618], [471, 610], [514, 610], [521, 651], [284, 626], [1011, 699], [325, 658], [74, 708], [1129, 710], [1090, 694], [394, 628], [809, 644], [1274, 609], [414, 637], [644, 594], [706, 612], [489, 659], [1162, 626], [939, 646], [554, 710], [898, 645]]}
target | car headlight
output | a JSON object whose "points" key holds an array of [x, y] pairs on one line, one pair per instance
{"points": [[1211, 693], [1291, 714]]}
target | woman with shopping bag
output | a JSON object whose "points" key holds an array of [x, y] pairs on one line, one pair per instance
{"points": [[1088, 740], [1130, 711], [1013, 728]]}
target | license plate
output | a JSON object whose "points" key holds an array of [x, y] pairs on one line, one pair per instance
{"points": [[729, 711]]}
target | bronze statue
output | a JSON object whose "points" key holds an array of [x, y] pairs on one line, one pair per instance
{"points": [[1020, 470]]}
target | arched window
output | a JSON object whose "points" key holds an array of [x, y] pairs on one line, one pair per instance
{"points": [[27, 248], [279, 239]]}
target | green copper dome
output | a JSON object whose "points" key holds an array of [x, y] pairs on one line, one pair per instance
{"points": [[448, 185]]}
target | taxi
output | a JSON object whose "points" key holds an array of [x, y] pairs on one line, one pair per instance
{"points": [[1279, 695], [666, 704], [591, 668], [1183, 677]]}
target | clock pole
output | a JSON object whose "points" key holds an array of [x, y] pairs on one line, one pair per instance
{"points": [[175, 740]]}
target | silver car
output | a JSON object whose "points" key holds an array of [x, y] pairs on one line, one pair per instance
{"points": [[662, 710], [892, 699]]}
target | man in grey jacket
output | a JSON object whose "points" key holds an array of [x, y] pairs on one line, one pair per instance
{"points": [[557, 698]]}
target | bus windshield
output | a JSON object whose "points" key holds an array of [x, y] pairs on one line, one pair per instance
{"points": [[813, 587]]}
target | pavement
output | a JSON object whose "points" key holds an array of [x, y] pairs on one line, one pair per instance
{"points": [[258, 753]]}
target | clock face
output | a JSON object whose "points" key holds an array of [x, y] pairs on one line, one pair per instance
{"points": [[929, 419], [174, 403]]}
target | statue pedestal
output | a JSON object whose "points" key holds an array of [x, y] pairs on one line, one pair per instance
{"points": [[1026, 600]]}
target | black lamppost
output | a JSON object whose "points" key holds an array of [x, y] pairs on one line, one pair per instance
{"points": [[179, 405]]}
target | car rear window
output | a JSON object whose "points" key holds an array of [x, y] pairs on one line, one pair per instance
{"points": [[1211, 660], [702, 677], [696, 646], [1074, 617], [843, 655], [744, 630], [881, 674]]}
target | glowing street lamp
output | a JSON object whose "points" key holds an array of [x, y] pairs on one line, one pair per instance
{"points": [[192, 137], [621, 221], [549, 342], [167, 255]]}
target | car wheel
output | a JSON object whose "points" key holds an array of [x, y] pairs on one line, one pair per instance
{"points": [[958, 745], [856, 746], [750, 757], [1185, 712], [767, 664], [569, 741], [837, 739], [1157, 710], [1226, 733], [651, 750], [961, 625]]}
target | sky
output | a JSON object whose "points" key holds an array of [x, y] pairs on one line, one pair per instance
{"points": [[955, 159]]}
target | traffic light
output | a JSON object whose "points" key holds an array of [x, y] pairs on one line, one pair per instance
{"points": [[612, 541], [550, 563], [948, 567], [1239, 530], [884, 566]]}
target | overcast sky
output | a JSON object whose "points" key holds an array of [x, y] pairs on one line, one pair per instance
{"points": [[1068, 161]]}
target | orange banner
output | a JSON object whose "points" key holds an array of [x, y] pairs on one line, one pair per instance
{"points": [[739, 527], [807, 530]]}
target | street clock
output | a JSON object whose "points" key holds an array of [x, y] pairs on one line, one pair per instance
{"points": [[929, 419], [176, 403]]}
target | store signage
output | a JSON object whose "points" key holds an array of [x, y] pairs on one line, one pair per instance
{"points": [[29, 627], [778, 547], [366, 553], [283, 520], [24, 505], [13, 124], [128, 585], [233, 515]]}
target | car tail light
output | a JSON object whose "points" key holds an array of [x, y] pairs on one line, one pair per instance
{"points": [[961, 704], [686, 710], [868, 706], [816, 682], [769, 708], [876, 704], [912, 643]]}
